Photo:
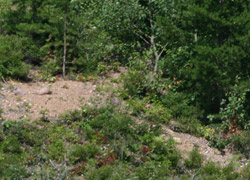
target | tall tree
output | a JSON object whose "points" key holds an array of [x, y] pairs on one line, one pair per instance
{"points": [[217, 34], [138, 21]]}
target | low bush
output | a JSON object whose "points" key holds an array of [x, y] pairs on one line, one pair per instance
{"points": [[134, 83], [111, 123], [105, 172], [158, 114], [194, 160], [11, 145], [241, 143], [153, 170], [84, 152], [49, 68], [213, 171]]}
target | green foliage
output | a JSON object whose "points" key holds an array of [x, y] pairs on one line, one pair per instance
{"points": [[102, 68], [158, 114], [153, 170], [115, 66], [233, 113], [163, 150], [112, 123], [10, 169], [56, 150], [185, 114], [11, 145], [11, 55], [49, 68], [134, 83], [212, 171], [201, 46], [99, 142], [25, 132], [241, 143], [105, 172], [195, 159], [84, 152], [245, 172]]}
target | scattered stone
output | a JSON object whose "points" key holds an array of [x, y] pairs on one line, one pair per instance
{"points": [[45, 90], [19, 92]]}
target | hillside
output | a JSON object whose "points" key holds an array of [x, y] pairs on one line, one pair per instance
{"points": [[46, 112], [114, 90]]}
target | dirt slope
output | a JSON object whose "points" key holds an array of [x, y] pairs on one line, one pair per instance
{"points": [[21, 100]]}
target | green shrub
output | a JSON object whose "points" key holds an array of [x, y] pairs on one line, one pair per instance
{"points": [[103, 173], [137, 106], [56, 150], [134, 83], [158, 114], [209, 171], [241, 143], [11, 168], [102, 68], [49, 68], [11, 55], [72, 116], [153, 170], [11, 145], [84, 152], [186, 115], [245, 172], [115, 66], [212, 171], [112, 123], [25, 132], [195, 159], [233, 111], [165, 150], [179, 105]]}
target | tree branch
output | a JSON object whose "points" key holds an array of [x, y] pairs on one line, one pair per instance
{"points": [[163, 49]]}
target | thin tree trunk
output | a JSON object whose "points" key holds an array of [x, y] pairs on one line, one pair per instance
{"points": [[152, 42], [156, 55], [65, 46]]}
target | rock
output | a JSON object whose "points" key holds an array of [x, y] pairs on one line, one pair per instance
{"points": [[45, 90], [115, 101], [19, 92], [178, 140]]}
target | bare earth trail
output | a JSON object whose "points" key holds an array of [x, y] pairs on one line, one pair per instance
{"points": [[187, 142], [21, 100], [65, 95]]}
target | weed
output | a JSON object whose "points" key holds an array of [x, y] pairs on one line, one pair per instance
{"points": [[44, 114], [19, 99], [115, 66], [11, 87]]}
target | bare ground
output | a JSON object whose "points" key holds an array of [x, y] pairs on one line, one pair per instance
{"points": [[22, 100], [70, 95]]}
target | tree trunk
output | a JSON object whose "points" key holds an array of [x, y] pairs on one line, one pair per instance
{"points": [[65, 46]]}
